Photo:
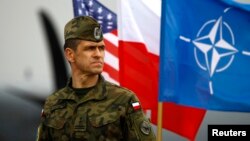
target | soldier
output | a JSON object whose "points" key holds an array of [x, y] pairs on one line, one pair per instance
{"points": [[89, 108]]}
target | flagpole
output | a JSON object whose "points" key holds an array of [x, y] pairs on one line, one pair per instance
{"points": [[159, 122]]}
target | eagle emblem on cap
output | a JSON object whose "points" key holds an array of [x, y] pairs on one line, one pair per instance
{"points": [[97, 33]]}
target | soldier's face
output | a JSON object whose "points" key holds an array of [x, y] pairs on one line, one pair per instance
{"points": [[89, 57]]}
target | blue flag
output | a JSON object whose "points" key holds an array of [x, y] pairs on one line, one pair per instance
{"points": [[205, 55], [244, 4]]}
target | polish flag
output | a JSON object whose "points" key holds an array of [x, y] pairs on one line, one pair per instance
{"points": [[136, 106], [139, 39]]}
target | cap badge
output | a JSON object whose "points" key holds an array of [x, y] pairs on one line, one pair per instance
{"points": [[97, 33]]}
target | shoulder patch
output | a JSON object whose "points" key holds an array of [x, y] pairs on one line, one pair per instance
{"points": [[145, 127]]}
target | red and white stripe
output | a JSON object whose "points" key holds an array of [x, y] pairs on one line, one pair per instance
{"points": [[111, 67]]}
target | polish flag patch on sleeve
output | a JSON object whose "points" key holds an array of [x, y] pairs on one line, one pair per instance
{"points": [[136, 106]]}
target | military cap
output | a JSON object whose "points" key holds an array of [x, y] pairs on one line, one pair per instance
{"points": [[83, 27]]}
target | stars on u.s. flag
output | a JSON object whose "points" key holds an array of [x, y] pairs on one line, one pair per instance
{"points": [[99, 10], [90, 3], [95, 9], [109, 16]]}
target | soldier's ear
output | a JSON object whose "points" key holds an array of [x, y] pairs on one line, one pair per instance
{"points": [[70, 55]]}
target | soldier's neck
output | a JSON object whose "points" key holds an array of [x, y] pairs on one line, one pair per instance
{"points": [[84, 81]]}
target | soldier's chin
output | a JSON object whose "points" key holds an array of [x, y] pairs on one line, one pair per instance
{"points": [[97, 71]]}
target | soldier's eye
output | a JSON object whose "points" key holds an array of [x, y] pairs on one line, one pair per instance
{"points": [[101, 47]]}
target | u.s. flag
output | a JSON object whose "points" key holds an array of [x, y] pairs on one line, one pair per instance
{"points": [[108, 21], [205, 55]]}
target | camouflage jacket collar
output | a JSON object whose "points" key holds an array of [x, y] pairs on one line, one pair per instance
{"points": [[97, 93]]}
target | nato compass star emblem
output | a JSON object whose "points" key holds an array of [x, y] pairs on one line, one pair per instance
{"points": [[215, 43]]}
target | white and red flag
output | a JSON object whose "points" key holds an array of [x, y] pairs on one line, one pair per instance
{"points": [[138, 32], [139, 39]]}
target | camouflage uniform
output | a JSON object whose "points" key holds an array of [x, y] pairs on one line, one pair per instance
{"points": [[105, 113]]}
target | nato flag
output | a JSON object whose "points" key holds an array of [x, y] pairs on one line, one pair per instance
{"points": [[205, 55]]}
